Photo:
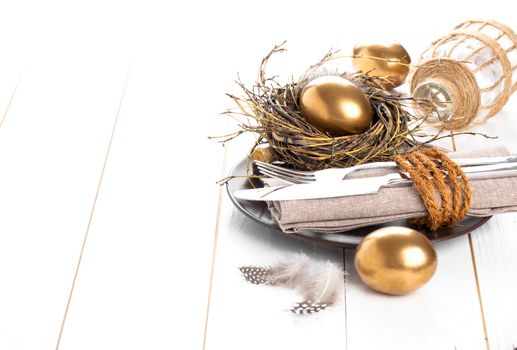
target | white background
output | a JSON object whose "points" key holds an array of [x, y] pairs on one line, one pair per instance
{"points": [[113, 234]]}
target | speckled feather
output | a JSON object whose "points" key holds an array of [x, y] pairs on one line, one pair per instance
{"points": [[319, 283]]}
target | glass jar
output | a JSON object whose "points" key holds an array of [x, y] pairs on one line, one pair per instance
{"points": [[467, 76]]}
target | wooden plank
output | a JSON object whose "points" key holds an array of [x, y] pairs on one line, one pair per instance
{"points": [[52, 145], [494, 246], [243, 315], [143, 281], [494, 249]]}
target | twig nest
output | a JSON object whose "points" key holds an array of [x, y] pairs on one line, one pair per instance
{"points": [[301, 134], [335, 105]]}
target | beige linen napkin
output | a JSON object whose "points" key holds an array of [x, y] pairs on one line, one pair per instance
{"points": [[490, 196]]}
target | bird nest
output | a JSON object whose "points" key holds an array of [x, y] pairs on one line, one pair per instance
{"points": [[272, 111]]}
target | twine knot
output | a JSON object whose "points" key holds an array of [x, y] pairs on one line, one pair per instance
{"points": [[444, 188]]}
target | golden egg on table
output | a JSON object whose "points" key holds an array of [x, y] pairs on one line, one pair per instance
{"points": [[335, 105], [395, 260], [386, 59]]}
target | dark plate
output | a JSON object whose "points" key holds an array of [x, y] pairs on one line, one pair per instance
{"points": [[258, 211]]}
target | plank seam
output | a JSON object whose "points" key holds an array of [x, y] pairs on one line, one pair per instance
{"points": [[344, 293], [214, 247], [10, 100], [478, 288]]}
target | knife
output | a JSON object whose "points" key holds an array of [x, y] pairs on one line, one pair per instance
{"points": [[361, 186]]}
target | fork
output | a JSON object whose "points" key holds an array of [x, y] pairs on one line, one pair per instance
{"points": [[338, 174]]}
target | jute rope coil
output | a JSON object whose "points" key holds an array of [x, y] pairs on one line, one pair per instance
{"points": [[459, 82], [458, 76], [444, 188]]}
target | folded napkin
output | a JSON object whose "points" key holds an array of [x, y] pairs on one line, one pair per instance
{"points": [[490, 196]]}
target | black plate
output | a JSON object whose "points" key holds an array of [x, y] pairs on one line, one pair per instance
{"points": [[257, 210]]}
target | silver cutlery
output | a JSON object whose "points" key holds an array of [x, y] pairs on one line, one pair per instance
{"points": [[361, 186], [337, 174]]}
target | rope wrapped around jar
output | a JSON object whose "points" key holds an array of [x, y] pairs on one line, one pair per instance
{"points": [[467, 75]]}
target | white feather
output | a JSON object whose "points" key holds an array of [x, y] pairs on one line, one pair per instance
{"points": [[316, 281], [327, 284], [289, 273]]}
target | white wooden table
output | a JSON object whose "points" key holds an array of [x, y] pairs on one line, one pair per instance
{"points": [[113, 234]]}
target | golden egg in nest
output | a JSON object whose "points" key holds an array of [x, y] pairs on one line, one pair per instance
{"points": [[386, 59], [335, 105], [395, 260], [263, 154]]}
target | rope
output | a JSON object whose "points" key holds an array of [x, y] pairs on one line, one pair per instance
{"points": [[458, 81], [444, 188]]}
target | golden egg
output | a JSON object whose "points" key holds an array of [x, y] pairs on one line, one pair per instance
{"points": [[383, 59], [335, 105], [395, 260], [263, 154]]}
